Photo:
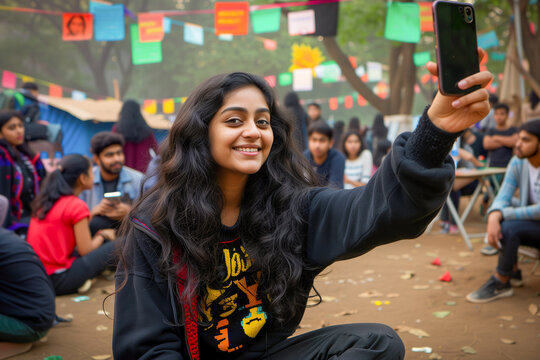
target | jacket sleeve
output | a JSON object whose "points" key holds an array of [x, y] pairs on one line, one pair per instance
{"points": [[337, 171], [398, 202], [144, 314]]}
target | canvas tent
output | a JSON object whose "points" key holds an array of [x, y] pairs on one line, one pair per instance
{"points": [[81, 119]]}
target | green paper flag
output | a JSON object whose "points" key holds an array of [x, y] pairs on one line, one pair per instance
{"points": [[403, 22], [265, 21], [421, 58], [143, 53], [285, 79], [330, 72]]}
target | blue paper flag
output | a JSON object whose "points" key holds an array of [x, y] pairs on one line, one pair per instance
{"points": [[166, 25], [226, 37], [194, 34], [78, 95], [488, 40], [93, 5], [109, 23]]}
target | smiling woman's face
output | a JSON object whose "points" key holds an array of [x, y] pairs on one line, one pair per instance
{"points": [[240, 134]]}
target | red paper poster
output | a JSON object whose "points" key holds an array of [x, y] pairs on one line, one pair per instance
{"points": [[271, 80], [270, 44], [231, 18], [361, 101], [150, 27], [426, 16], [9, 80], [77, 26], [333, 103], [349, 102], [55, 90]]}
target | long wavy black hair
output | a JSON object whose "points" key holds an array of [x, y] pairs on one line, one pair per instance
{"points": [[14, 151], [60, 182], [186, 202], [131, 123]]}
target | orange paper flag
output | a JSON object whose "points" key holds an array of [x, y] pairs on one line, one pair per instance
{"points": [[333, 103], [349, 102], [231, 18], [150, 106], [77, 26], [426, 16], [55, 90]]}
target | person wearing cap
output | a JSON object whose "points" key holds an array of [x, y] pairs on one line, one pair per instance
{"points": [[513, 222]]}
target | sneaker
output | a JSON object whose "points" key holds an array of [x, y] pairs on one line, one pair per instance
{"points": [[85, 287], [489, 250], [449, 228], [515, 279], [493, 289]]}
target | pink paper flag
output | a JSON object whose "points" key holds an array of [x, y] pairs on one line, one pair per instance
{"points": [[270, 44], [271, 80], [9, 80]]}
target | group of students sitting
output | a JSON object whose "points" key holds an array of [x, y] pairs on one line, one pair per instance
{"points": [[58, 228]]}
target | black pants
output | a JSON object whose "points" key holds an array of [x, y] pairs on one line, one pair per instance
{"points": [[454, 196], [515, 233], [343, 342], [100, 222], [84, 268]]}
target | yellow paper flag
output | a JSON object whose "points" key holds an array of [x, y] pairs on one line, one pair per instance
{"points": [[150, 106], [168, 106]]}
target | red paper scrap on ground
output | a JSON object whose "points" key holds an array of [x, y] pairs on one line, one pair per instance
{"points": [[77, 26], [437, 262], [231, 18], [446, 277], [150, 27]]}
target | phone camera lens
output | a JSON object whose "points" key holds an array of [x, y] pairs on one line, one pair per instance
{"points": [[468, 11]]}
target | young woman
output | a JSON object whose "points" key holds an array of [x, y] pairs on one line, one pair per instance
{"points": [[358, 163], [220, 256], [139, 138], [21, 170], [59, 226]]}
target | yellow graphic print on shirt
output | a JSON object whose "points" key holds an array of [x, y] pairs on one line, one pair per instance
{"points": [[234, 313]]}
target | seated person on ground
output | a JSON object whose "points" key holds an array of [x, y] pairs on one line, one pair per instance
{"points": [[512, 223], [501, 139], [328, 163], [59, 226], [26, 296], [110, 175], [359, 161]]}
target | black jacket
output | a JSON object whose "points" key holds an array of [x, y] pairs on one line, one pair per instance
{"points": [[397, 203]]}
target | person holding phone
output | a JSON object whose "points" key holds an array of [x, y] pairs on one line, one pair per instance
{"points": [[59, 231], [110, 175], [219, 257]]}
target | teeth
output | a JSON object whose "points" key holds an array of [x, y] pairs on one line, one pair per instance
{"points": [[247, 149]]}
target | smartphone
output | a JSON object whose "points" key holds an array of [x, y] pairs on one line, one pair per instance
{"points": [[456, 45], [113, 197]]}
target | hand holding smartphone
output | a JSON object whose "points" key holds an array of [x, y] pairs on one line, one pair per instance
{"points": [[456, 45], [113, 197]]}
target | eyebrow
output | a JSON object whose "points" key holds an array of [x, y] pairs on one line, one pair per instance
{"points": [[244, 110]]}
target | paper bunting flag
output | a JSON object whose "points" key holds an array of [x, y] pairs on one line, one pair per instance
{"points": [[93, 5], [329, 72], [349, 102], [78, 95], [270, 44], [360, 71], [168, 106], [302, 80], [361, 100], [285, 79], [109, 23], [341, 100], [9, 80], [143, 53], [226, 37], [488, 40], [426, 16], [193, 34], [27, 79], [301, 22], [333, 103], [167, 25], [271, 80], [498, 56], [150, 27], [265, 21], [374, 71], [403, 22], [55, 90], [421, 58], [352, 60], [150, 106], [77, 26], [231, 18]]}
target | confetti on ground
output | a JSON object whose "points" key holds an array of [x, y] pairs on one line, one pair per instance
{"points": [[80, 298], [508, 341], [465, 254], [393, 257], [407, 275], [328, 299], [414, 331], [368, 272], [431, 254], [101, 328], [101, 357], [506, 318], [420, 287], [101, 312], [53, 357], [468, 350], [530, 321], [446, 277], [369, 294], [454, 294], [424, 349], [533, 309], [441, 314], [435, 356], [304, 326], [380, 302], [346, 312], [451, 303], [324, 324], [392, 295], [436, 262]]}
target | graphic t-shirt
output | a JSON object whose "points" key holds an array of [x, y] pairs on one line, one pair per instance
{"points": [[234, 312], [53, 238]]}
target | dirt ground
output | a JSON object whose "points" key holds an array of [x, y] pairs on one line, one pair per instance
{"points": [[397, 300]]}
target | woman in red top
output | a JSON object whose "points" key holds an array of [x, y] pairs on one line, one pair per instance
{"points": [[59, 231], [140, 146]]}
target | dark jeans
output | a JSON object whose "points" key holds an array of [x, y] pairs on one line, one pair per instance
{"points": [[13, 330], [454, 196], [84, 268], [343, 342], [99, 222], [515, 233]]}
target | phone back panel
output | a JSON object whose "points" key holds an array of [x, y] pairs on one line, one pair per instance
{"points": [[457, 53]]}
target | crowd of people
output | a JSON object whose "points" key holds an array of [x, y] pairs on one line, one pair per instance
{"points": [[216, 237]]}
